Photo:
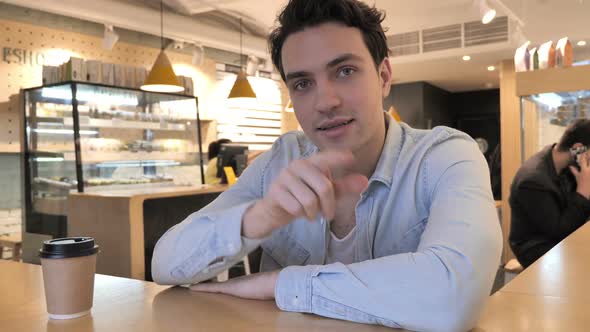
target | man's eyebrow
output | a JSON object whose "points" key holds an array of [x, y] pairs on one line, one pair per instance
{"points": [[342, 58], [296, 74], [332, 63]]}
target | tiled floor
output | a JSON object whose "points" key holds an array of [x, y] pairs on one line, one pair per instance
{"points": [[10, 223]]}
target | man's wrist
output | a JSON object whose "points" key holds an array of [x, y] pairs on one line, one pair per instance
{"points": [[253, 224]]}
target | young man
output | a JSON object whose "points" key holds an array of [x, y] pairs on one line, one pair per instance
{"points": [[550, 195], [360, 217]]}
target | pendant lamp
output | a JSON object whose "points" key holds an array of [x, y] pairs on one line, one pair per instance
{"points": [[393, 112], [289, 108], [162, 77], [241, 88]]}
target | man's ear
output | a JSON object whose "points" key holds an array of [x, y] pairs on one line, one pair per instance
{"points": [[385, 76]]}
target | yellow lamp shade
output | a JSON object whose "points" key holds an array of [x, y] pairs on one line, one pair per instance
{"points": [[393, 112], [242, 88], [289, 108], [162, 77]]}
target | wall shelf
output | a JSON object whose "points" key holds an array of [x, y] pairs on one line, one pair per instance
{"points": [[553, 80]]}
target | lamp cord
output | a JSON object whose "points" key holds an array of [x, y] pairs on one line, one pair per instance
{"points": [[241, 55], [162, 24]]}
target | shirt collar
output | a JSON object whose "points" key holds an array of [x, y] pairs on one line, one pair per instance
{"points": [[390, 153]]}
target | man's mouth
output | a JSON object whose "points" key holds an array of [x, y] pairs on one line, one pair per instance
{"points": [[336, 125]]}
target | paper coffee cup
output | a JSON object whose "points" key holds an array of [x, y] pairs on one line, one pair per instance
{"points": [[69, 265]]}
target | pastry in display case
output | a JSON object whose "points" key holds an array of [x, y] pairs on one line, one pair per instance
{"points": [[87, 137]]}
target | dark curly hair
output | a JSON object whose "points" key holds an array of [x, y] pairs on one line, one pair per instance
{"points": [[300, 14], [577, 132], [214, 148]]}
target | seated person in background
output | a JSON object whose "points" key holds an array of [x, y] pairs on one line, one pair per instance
{"points": [[212, 153], [359, 217], [550, 195]]}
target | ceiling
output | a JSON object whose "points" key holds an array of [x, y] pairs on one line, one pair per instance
{"points": [[541, 20]]}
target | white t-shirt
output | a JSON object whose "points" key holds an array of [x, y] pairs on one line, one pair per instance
{"points": [[341, 250]]}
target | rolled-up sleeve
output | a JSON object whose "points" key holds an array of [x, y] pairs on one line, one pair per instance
{"points": [[209, 241]]}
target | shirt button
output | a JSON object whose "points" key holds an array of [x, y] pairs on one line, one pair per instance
{"points": [[231, 247]]}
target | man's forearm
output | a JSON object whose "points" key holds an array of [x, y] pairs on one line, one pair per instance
{"points": [[258, 286], [412, 290], [201, 246]]}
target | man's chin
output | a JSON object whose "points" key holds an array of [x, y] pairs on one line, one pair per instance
{"points": [[342, 145], [346, 142]]}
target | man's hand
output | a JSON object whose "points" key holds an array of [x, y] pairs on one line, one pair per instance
{"points": [[258, 286], [583, 175], [305, 188]]}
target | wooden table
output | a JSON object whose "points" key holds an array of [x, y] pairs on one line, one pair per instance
{"points": [[553, 294], [125, 232], [130, 305]]}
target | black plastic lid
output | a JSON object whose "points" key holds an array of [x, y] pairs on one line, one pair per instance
{"points": [[68, 247]]}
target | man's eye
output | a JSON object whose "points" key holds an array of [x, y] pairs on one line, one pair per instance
{"points": [[301, 85], [346, 71]]}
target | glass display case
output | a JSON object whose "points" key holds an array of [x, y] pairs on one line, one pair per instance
{"points": [[89, 137], [545, 116]]}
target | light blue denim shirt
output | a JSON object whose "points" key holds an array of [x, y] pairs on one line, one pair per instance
{"points": [[428, 239]]}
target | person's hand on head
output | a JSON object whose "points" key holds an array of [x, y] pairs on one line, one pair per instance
{"points": [[583, 175], [305, 188]]}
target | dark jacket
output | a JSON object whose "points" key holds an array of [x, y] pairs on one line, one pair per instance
{"points": [[545, 207]]}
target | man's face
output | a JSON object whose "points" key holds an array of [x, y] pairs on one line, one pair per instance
{"points": [[336, 91], [578, 153]]}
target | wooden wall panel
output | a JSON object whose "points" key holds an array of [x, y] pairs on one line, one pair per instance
{"points": [[510, 143], [256, 123], [531, 129]]}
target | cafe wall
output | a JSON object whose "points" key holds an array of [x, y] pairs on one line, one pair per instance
{"points": [[25, 48], [30, 39], [35, 38]]}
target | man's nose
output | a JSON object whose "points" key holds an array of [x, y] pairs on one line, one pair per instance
{"points": [[327, 97]]}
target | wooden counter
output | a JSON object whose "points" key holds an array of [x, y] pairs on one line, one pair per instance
{"points": [[127, 223], [157, 192]]}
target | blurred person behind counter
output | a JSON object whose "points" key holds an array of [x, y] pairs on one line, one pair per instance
{"points": [[212, 153]]}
